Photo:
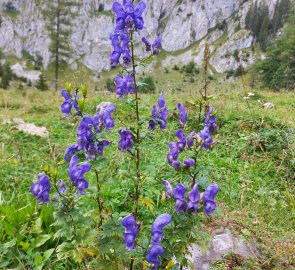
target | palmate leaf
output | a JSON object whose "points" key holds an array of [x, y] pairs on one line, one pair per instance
{"points": [[147, 202]]}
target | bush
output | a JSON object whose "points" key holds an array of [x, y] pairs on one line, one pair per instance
{"points": [[110, 85], [191, 68], [148, 85], [41, 84], [175, 67]]}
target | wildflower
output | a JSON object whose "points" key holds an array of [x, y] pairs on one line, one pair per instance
{"points": [[159, 114], [126, 142], [210, 120], [182, 115], [169, 189], [157, 227], [191, 139], [127, 16], [173, 155], [62, 187], [155, 47], [124, 85], [116, 54], [103, 119], [179, 197], [153, 256], [182, 140], [67, 105], [76, 174], [189, 163], [209, 195], [194, 198], [70, 151], [131, 231], [205, 135], [101, 145], [41, 189], [148, 45]]}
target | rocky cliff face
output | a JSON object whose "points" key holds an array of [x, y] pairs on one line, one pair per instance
{"points": [[183, 24]]}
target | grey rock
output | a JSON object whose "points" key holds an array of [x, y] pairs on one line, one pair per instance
{"points": [[19, 70]]}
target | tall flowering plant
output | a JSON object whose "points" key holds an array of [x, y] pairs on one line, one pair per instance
{"points": [[122, 222]]}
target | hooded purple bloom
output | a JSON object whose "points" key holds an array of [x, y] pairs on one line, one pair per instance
{"points": [[41, 189], [189, 163], [124, 86], [101, 145], [76, 174], [182, 140], [157, 227], [148, 45], [173, 155], [194, 198], [126, 141], [210, 121], [207, 140], [62, 187], [182, 115], [191, 140], [67, 105], [156, 46], [103, 119], [209, 195], [128, 17], [179, 197], [116, 54], [70, 151], [159, 114], [153, 256], [169, 189], [131, 231]]}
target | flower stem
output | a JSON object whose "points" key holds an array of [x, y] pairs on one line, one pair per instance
{"points": [[100, 207]]}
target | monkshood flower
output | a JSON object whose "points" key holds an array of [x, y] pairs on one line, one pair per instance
{"points": [[173, 155], [131, 231], [120, 42], [169, 189], [189, 163], [41, 189], [179, 197], [116, 54], [157, 227], [205, 135], [182, 140], [126, 142], [103, 119], [101, 145], [194, 198], [191, 139], [182, 115], [62, 187], [155, 47], [124, 85], [210, 121], [128, 17], [209, 195], [76, 174], [159, 114], [67, 105], [153, 256], [70, 151]]}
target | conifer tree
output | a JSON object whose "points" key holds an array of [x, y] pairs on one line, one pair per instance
{"points": [[59, 17], [6, 76], [41, 84]]}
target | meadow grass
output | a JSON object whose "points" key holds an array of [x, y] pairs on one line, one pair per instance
{"points": [[253, 161]]}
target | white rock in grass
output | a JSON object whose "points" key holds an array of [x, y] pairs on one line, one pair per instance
{"points": [[31, 129], [268, 105]]}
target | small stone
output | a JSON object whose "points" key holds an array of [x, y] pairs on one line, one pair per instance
{"points": [[268, 105], [31, 129]]}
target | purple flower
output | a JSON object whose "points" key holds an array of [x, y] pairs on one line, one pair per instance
{"points": [[191, 139], [189, 163], [116, 54], [67, 105], [182, 140], [209, 195], [169, 189], [207, 140], [157, 227], [124, 85], [131, 231], [128, 17], [41, 189], [210, 121], [194, 198], [173, 155], [76, 174], [70, 151], [182, 115], [62, 187], [156, 46], [179, 197], [101, 145], [103, 119], [153, 256], [126, 141], [159, 114]]}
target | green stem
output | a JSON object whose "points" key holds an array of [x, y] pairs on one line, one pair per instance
{"points": [[100, 207]]}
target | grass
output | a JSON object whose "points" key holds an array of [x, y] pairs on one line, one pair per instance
{"points": [[253, 162]]}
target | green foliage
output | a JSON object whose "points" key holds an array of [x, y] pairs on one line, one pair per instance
{"points": [[41, 84], [110, 85], [147, 85], [278, 69], [6, 76], [191, 68]]}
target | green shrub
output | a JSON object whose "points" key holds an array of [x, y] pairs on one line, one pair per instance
{"points": [[110, 85], [147, 85], [176, 67], [41, 84]]}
